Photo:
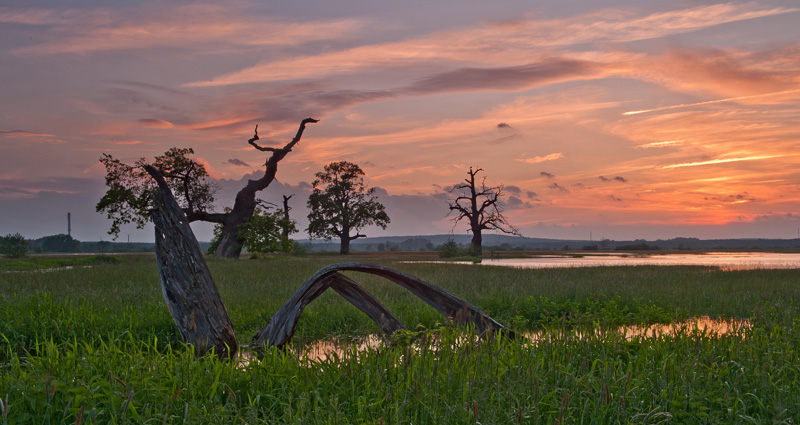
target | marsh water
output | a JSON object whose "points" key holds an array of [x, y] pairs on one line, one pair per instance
{"points": [[326, 349], [724, 260]]}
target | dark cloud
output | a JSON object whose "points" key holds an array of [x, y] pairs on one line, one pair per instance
{"points": [[503, 78], [503, 125], [617, 178], [556, 186], [513, 189], [369, 164], [546, 174], [238, 162], [614, 198], [531, 194]]}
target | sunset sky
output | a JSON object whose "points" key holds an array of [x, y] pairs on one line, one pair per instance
{"points": [[623, 118]]}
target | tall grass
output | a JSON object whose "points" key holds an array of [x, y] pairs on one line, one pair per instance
{"points": [[97, 345]]}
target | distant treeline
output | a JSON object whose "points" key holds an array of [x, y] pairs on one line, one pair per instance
{"points": [[63, 243]]}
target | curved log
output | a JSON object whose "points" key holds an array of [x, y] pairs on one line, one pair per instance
{"points": [[280, 328], [189, 290]]}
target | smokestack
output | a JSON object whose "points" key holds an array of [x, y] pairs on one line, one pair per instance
{"points": [[69, 225]]}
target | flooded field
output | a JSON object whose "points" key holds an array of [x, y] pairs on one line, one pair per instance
{"points": [[724, 260], [326, 350]]}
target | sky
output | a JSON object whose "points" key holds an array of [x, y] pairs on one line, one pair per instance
{"points": [[615, 119]]}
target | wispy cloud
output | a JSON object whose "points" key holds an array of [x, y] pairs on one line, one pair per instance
{"points": [[710, 102], [720, 161], [209, 24], [658, 144], [538, 159], [498, 43]]}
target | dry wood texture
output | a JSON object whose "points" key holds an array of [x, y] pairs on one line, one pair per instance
{"points": [[189, 289]]}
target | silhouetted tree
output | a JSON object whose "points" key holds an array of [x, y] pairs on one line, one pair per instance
{"points": [[480, 206], [129, 195], [341, 203]]}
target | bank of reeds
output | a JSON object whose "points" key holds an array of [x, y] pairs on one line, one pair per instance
{"points": [[97, 345]]}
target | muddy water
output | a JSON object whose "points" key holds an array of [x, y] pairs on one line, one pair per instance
{"points": [[329, 349]]}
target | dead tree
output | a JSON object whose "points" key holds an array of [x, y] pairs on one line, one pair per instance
{"points": [[480, 206], [230, 243]]}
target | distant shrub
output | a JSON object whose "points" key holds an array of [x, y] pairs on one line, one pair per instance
{"points": [[14, 246], [449, 249]]}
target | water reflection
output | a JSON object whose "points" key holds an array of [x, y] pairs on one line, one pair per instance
{"points": [[723, 260], [326, 350]]}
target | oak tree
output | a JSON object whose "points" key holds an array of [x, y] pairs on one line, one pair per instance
{"points": [[480, 206], [130, 188], [341, 203]]}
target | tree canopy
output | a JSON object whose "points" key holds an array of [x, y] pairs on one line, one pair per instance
{"points": [[129, 195], [341, 203], [130, 191]]}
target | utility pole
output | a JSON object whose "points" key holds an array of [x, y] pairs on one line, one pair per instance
{"points": [[69, 225]]}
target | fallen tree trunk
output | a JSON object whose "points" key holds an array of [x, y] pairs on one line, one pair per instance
{"points": [[280, 328], [189, 290]]}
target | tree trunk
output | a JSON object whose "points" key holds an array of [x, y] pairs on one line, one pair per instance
{"points": [[344, 247], [230, 243], [477, 240], [189, 290]]}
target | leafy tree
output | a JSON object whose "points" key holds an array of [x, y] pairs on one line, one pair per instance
{"points": [[58, 243], [341, 203], [480, 206], [264, 232], [129, 195], [14, 246]]}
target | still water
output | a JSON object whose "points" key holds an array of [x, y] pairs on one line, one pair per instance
{"points": [[723, 260]]}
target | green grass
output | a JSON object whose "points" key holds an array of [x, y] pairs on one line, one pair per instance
{"points": [[97, 345]]}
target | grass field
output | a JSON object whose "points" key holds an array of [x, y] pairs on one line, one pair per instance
{"points": [[95, 344]]}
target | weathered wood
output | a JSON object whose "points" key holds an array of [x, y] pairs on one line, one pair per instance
{"points": [[364, 301], [189, 290], [280, 328]]}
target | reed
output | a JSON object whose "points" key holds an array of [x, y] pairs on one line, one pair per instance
{"points": [[97, 345]]}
